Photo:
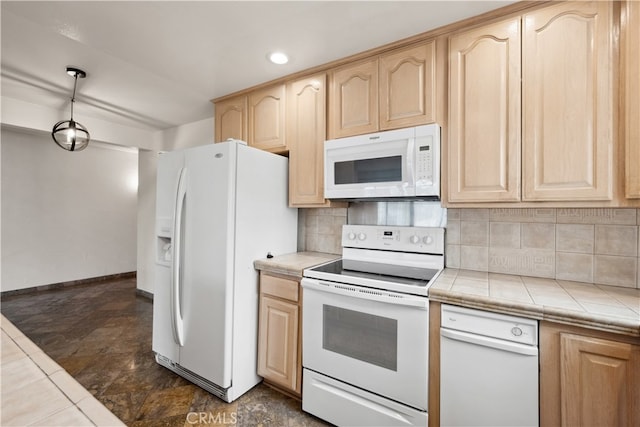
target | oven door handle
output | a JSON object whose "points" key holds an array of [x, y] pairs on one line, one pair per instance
{"points": [[366, 293]]}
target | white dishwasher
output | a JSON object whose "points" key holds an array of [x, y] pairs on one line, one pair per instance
{"points": [[488, 369]]}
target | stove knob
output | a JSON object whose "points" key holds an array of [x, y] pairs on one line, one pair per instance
{"points": [[415, 239], [351, 236], [362, 236], [427, 240]]}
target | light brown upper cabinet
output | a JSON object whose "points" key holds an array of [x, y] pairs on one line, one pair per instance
{"points": [[257, 118], [631, 26], [353, 99], [407, 95], [231, 119], [393, 90], [484, 114], [549, 123], [568, 102], [267, 108], [306, 124]]}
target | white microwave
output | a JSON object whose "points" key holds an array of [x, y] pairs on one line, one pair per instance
{"points": [[400, 163]]}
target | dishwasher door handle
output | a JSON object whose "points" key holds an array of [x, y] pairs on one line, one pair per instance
{"points": [[526, 350]]}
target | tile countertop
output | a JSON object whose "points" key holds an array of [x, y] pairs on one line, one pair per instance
{"points": [[607, 308], [293, 264]]}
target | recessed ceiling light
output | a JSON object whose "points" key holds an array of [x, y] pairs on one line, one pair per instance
{"points": [[278, 58]]}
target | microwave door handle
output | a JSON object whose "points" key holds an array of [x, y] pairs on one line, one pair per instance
{"points": [[411, 160]]}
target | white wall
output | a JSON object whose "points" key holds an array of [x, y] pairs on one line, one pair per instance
{"points": [[147, 169], [19, 116], [65, 216], [189, 135]]}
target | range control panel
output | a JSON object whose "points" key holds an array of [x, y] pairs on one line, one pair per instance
{"points": [[394, 238]]}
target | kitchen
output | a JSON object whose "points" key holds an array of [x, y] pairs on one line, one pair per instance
{"points": [[562, 239]]}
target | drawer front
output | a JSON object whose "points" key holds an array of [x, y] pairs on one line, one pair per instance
{"points": [[279, 287]]}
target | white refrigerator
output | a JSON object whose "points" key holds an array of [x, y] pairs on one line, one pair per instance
{"points": [[219, 207]]}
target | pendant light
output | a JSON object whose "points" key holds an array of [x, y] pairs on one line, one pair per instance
{"points": [[69, 134]]}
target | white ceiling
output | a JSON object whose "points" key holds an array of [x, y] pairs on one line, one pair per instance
{"points": [[157, 64]]}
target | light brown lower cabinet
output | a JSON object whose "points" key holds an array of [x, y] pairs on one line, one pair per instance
{"points": [[279, 333], [588, 377]]}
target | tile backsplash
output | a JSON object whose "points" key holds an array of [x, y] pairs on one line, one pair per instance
{"points": [[320, 230], [586, 245]]}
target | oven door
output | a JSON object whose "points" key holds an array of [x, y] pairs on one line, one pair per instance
{"points": [[372, 339], [366, 166]]}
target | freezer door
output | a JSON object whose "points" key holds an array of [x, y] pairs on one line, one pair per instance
{"points": [[206, 295], [169, 167]]}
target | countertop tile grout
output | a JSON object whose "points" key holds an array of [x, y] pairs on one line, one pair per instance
{"points": [[543, 293]]}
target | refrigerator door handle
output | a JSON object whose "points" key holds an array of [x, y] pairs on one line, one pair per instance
{"points": [[177, 324]]}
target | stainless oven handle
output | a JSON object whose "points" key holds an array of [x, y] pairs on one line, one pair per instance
{"points": [[366, 293]]}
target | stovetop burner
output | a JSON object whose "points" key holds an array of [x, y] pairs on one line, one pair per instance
{"points": [[383, 272]]}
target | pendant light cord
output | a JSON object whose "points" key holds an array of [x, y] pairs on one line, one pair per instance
{"points": [[73, 97]]}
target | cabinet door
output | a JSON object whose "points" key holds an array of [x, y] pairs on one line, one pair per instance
{"points": [[306, 126], [632, 92], [266, 119], [599, 382], [484, 114], [568, 102], [353, 100], [408, 87], [231, 119], [278, 342]]}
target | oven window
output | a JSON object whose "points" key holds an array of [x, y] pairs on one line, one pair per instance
{"points": [[363, 171], [366, 337]]}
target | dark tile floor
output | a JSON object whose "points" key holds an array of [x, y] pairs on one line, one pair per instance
{"points": [[101, 334]]}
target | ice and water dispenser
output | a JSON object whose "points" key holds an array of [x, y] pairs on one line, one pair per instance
{"points": [[163, 241]]}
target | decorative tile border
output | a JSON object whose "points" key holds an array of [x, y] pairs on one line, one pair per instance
{"points": [[523, 262], [597, 216], [474, 214], [523, 215]]}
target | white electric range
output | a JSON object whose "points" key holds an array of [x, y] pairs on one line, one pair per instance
{"points": [[365, 327]]}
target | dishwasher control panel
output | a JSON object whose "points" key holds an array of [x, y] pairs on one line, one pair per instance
{"points": [[489, 324]]}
